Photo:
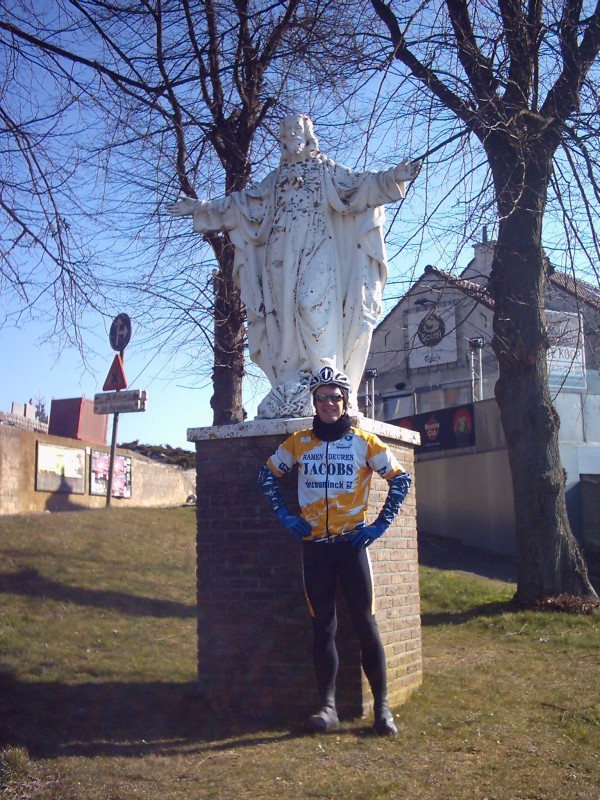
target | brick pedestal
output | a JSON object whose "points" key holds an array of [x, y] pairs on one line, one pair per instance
{"points": [[254, 630]]}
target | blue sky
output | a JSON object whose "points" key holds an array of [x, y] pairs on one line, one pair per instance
{"points": [[33, 369]]}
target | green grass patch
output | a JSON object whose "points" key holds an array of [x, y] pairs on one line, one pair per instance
{"points": [[98, 654]]}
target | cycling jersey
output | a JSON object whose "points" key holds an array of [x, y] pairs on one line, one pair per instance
{"points": [[334, 477]]}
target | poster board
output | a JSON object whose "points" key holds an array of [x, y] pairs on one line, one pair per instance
{"points": [[100, 463], [60, 469]]}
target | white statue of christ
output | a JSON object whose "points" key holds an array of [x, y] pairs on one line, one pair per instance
{"points": [[309, 261]]}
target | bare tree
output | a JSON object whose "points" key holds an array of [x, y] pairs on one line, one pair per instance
{"points": [[46, 259], [183, 96], [158, 97], [517, 77]]}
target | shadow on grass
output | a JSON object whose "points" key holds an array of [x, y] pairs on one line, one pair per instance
{"points": [[31, 583], [461, 617], [118, 719]]}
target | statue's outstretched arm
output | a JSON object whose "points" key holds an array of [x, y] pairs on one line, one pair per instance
{"points": [[183, 207], [407, 170]]}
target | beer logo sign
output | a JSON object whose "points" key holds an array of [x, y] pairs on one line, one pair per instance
{"points": [[432, 429], [431, 330]]}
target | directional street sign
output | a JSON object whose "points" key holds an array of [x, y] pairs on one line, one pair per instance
{"points": [[120, 332], [119, 402], [115, 379]]}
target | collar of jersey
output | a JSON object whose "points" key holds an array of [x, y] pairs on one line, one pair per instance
{"points": [[331, 431]]}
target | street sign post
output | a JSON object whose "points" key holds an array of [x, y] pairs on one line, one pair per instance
{"points": [[119, 402]]}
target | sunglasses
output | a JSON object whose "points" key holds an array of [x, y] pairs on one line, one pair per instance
{"points": [[328, 398]]}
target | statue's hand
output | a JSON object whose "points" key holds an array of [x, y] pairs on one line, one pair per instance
{"points": [[183, 207], [407, 170]]}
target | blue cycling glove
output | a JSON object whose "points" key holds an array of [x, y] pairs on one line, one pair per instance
{"points": [[298, 527], [398, 489], [363, 537]]}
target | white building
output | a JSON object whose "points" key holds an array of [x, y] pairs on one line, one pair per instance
{"points": [[431, 367]]}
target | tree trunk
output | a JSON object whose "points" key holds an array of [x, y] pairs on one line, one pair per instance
{"points": [[550, 561], [228, 368], [232, 143]]}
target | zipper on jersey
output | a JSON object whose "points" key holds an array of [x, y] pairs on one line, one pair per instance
{"points": [[329, 536]]}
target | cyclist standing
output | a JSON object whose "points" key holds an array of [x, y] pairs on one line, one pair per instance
{"points": [[335, 463]]}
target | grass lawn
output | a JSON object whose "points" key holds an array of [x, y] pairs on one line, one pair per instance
{"points": [[98, 652]]}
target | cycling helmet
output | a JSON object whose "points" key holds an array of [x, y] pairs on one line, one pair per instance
{"points": [[328, 376]]}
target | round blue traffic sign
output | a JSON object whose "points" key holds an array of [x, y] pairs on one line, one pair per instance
{"points": [[120, 332]]}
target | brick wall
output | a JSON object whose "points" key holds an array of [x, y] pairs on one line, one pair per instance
{"points": [[254, 631]]}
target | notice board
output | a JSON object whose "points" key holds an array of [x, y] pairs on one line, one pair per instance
{"points": [[60, 469]]}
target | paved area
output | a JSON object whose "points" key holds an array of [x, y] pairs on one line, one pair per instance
{"points": [[435, 551]]}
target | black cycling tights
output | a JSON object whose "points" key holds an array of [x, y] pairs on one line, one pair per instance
{"points": [[324, 563]]}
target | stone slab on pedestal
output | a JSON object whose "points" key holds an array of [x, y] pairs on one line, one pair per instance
{"points": [[254, 631]]}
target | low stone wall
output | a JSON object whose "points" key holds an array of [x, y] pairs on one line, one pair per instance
{"points": [[20, 421], [153, 484]]}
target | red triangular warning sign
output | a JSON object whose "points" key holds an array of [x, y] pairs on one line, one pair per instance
{"points": [[115, 380]]}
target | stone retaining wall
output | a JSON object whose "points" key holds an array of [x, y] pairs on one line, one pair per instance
{"points": [[153, 484]]}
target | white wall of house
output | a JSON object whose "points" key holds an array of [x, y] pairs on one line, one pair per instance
{"points": [[467, 494], [468, 498]]}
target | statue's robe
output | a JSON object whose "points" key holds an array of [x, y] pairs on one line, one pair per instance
{"points": [[310, 264]]}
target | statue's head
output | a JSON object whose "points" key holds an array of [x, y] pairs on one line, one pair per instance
{"points": [[297, 138]]}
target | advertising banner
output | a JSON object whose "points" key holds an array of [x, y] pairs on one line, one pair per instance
{"points": [[445, 429]]}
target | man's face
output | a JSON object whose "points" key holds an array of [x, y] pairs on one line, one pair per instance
{"points": [[329, 403], [293, 137]]}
